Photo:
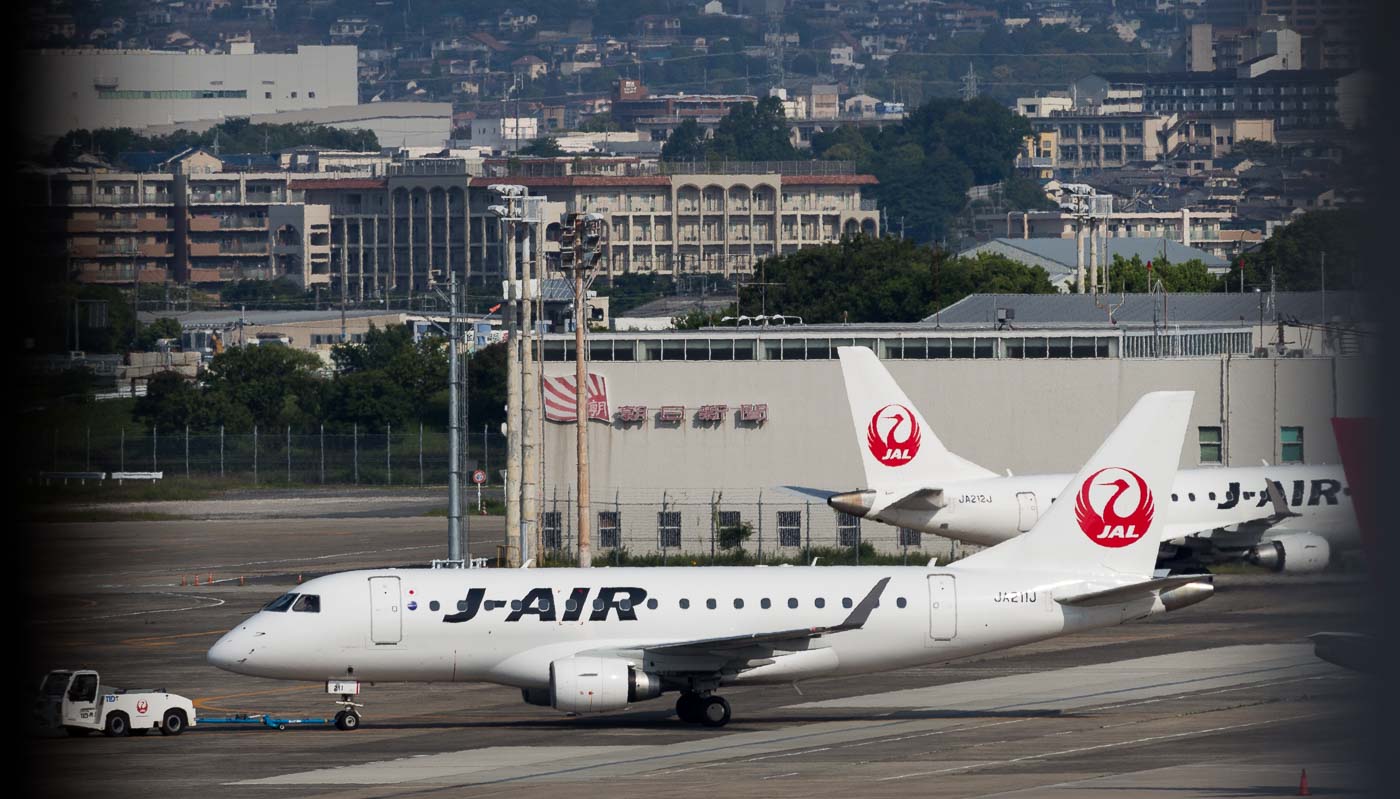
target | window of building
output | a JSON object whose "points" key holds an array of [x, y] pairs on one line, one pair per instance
{"points": [[789, 528], [1290, 441], [1210, 442], [847, 529], [552, 530], [668, 528], [609, 524], [909, 537]]}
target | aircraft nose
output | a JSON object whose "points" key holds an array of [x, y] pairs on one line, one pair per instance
{"points": [[231, 652]]}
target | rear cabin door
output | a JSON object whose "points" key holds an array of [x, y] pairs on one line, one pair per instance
{"points": [[1028, 513], [942, 607], [385, 613]]}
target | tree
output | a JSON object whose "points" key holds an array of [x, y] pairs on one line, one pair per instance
{"points": [[275, 385], [754, 132], [150, 335], [486, 374], [1135, 276], [866, 279], [543, 147], [1294, 254], [696, 319], [388, 378], [600, 123], [686, 143]]}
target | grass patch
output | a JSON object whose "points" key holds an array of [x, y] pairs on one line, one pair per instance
{"points": [[168, 490], [493, 507]]}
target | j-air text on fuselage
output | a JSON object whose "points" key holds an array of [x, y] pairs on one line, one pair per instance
{"points": [[597, 640], [1287, 518]]}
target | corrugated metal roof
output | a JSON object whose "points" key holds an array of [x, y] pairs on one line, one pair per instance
{"points": [[1049, 310], [1061, 251]]}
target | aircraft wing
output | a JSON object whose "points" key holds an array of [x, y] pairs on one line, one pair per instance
{"points": [[1276, 511], [737, 652], [1124, 593]]}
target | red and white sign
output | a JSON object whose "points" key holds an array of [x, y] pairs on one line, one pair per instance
{"points": [[893, 435], [142, 707], [1103, 499], [478, 477], [560, 404]]}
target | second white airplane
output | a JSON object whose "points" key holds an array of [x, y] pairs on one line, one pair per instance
{"points": [[1287, 518], [597, 640]]}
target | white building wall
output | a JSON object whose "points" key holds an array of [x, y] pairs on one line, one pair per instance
{"points": [[106, 88]]}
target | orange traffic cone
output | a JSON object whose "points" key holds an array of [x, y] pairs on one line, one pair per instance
{"points": [[196, 580], [211, 578], [298, 579], [1303, 785], [184, 581]]}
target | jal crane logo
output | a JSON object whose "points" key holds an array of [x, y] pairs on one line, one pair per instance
{"points": [[893, 435], [1117, 489]]}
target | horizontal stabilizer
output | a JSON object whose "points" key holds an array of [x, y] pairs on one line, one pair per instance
{"points": [[1125, 593], [816, 493]]}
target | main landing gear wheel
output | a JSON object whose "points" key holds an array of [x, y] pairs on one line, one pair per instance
{"points": [[688, 708], [347, 720], [715, 712]]}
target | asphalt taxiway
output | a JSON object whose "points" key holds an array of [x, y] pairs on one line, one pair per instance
{"points": [[1220, 699]]}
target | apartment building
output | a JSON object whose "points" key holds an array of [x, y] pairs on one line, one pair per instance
{"points": [[1296, 99], [1101, 141], [190, 224]]}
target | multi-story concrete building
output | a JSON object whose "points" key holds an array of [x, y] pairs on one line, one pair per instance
{"points": [[367, 234], [1103, 141], [143, 88], [1301, 99]]}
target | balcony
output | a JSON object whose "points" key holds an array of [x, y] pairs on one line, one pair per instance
{"points": [[205, 223], [118, 198], [215, 197]]}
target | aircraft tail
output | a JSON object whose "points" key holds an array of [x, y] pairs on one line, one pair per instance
{"points": [[1108, 521], [896, 445]]}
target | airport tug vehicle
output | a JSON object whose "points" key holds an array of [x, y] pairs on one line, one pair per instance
{"points": [[78, 702]]}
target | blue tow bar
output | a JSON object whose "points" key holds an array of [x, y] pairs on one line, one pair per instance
{"points": [[264, 720]]}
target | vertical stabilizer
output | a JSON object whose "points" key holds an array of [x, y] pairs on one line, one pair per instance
{"points": [[1108, 520], [897, 447]]}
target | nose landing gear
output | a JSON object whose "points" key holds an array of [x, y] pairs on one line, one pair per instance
{"points": [[709, 710], [348, 718]]}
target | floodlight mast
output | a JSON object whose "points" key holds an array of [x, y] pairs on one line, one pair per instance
{"points": [[581, 247]]}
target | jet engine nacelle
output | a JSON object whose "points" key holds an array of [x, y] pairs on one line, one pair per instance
{"points": [[1303, 552], [583, 684]]}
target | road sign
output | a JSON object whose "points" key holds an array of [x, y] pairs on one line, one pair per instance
{"points": [[478, 477]]}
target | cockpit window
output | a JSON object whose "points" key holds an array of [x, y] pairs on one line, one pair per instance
{"points": [[308, 603], [281, 603]]}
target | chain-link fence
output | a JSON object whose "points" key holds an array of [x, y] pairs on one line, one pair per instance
{"points": [[286, 456], [725, 525]]}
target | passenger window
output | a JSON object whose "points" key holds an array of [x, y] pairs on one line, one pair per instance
{"points": [[309, 603], [570, 605], [544, 605], [434, 605], [624, 605], [820, 602], [1212, 496], [765, 603], [685, 604], [1173, 497], [710, 603], [1191, 496], [515, 604], [462, 605], [845, 602], [597, 604], [900, 602], [792, 602], [281, 603], [738, 604], [651, 604]]}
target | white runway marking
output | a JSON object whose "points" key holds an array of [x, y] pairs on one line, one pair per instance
{"points": [[214, 600]]}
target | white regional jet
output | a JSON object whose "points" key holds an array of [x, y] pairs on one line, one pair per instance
{"points": [[597, 640], [1288, 518]]}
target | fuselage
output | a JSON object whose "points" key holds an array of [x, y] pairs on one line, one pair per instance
{"points": [[989, 510], [508, 626]]}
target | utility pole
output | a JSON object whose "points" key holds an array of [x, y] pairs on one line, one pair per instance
{"points": [[509, 214], [529, 500], [455, 539]]}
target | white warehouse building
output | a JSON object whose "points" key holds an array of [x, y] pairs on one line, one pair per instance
{"points": [[143, 88]]}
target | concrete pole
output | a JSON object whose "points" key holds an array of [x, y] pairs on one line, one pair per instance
{"points": [[454, 432], [1079, 255], [585, 549], [1094, 256], [513, 428], [529, 490]]}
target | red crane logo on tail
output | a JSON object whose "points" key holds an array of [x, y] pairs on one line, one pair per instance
{"points": [[899, 441], [1106, 525]]}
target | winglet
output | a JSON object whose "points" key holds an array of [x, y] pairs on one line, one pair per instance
{"points": [[861, 612], [1281, 509]]}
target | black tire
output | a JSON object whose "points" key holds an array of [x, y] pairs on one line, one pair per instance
{"points": [[688, 708], [347, 720], [117, 726], [173, 722], [715, 712]]}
